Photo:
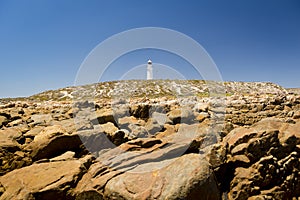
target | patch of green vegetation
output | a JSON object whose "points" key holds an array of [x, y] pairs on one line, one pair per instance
{"points": [[212, 94], [271, 95], [41, 98], [202, 94], [64, 98]]}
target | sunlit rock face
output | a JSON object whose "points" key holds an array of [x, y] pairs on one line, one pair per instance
{"points": [[154, 139]]}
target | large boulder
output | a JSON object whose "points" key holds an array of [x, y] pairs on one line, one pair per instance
{"points": [[9, 138], [140, 111], [186, 177], [103, 116], [183, 115], [11, 155], [41, 119], [3, 121], [95, 141], [51, 142], [42, 181], [68, 124], [153, 126], [194, 180], [109, 129]]}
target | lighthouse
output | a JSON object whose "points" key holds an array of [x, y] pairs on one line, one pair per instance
{"points": [[149, 70]]}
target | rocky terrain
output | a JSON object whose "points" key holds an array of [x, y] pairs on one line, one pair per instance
{"points": [[152, 140]]}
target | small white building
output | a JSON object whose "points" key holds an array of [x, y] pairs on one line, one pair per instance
{"points": [[149, 70]]}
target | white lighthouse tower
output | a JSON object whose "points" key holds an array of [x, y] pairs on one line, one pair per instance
{"points": [[149, 70]]}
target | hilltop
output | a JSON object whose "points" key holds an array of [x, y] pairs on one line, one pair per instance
{"points": [[156, 88]]}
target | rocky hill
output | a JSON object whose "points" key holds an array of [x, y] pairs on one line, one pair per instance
{"points": [[160, 139], [159, 88]]}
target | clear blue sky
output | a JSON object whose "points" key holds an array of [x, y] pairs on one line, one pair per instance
{"points": [[43, 43]]}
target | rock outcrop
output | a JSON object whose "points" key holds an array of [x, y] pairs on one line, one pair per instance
{"points": [[152, 140], [264, 160]]}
